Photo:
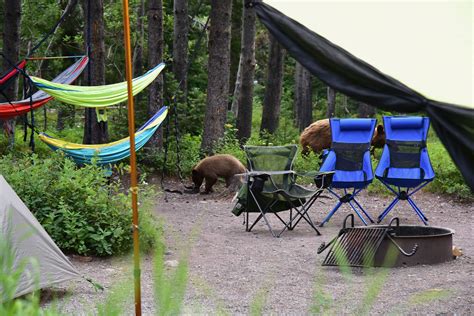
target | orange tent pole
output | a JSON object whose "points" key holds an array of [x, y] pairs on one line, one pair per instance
{"points": [[133, 159]]}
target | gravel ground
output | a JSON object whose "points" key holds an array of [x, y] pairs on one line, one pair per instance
{"points": [[230, 269]]}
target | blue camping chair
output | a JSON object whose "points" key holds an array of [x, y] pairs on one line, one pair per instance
{"points": [[349, 157], [405, 162]]}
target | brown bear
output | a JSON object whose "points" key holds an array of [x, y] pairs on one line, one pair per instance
{"points": [[217, 166], [317, 137]]}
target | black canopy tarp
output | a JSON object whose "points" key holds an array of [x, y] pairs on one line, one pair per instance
{"points": [[352, 76]]}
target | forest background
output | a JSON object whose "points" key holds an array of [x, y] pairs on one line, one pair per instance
{"points": [[227, 82]]}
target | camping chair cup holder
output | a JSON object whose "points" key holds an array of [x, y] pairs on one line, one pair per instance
{"points": [[271, 188]]}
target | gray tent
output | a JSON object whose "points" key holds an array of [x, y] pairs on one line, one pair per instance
{"points": [[29, 240]]}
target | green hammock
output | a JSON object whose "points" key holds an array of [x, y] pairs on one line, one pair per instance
{"points": [[96, 96]]}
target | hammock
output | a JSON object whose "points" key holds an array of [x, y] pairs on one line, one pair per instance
{"points": [[96, 96], [12, 72], [16, 108], [107, 153]]}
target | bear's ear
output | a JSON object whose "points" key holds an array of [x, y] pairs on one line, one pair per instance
{"points": [[380, 129]]}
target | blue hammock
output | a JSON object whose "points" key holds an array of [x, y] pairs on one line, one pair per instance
{"points": [[109, 153]]}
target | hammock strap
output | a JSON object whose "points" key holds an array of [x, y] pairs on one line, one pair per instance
{"points": [[69, 7]]}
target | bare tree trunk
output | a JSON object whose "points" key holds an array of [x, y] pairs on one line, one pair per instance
{"points": [[95, 132], [235, 44], [180, 44], [331, 109], [272, 98], [246, 73], [234, 108], [218, 74], [155, 56], [66, 112], [11, 49], [303, 97], [138, 51], [365, 110]]}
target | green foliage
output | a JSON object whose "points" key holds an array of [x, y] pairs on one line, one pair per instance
{"points": [[80, 208], [448, 177]]}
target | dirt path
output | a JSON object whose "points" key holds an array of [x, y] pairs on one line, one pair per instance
{"points": [[231, 269]]}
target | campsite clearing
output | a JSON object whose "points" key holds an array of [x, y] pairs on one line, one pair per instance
{"points": [[230, 269]]}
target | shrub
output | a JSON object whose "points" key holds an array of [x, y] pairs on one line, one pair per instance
{"points": [[80, 208]]}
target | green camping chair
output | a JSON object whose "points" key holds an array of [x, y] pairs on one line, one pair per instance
{"points": [[271, 188]]}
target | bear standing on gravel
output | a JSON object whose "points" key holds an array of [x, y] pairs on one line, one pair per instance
{"points": [[317, 137], [218, 166]]}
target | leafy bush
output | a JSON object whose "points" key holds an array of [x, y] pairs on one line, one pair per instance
{"points": [[80, 208], [448, 177]]}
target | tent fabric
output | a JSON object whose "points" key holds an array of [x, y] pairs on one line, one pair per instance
{"points": [[110, 152], [357, 79], [97, 96], [15, 108], [29, 240]]}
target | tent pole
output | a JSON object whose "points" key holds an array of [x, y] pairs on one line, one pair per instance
{"points": [[133, 160]]}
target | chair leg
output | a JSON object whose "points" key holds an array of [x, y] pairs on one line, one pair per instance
{"points": [[363, 210], [331, 214], [418, 211], [388, 209], [358, 213], [262, 215]]}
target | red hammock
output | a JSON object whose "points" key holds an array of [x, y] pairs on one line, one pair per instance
{"points": [[16, 108], [13, 72]]}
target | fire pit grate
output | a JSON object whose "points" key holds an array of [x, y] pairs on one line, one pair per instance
{"points": [[357, 246]]}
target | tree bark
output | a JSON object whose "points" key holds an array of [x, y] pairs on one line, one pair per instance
{"points": [[11, 49], [272, 98], [67, 112], [331, 109], [245, 76], [365, 110], [180, 44], [138, 51], [218, 74], [235, 44], [155, 56], [303, 97], [95, 132]]}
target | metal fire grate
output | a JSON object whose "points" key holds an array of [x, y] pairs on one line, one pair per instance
{"points": [[357, 246]]}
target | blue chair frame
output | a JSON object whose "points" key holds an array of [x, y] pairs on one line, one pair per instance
{"points": [[349, 158], [410, 166]]}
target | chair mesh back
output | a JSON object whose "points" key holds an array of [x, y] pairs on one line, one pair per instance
{"points": [[350, 156], [271, 158], [405, 154]]}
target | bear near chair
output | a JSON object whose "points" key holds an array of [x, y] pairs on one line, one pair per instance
{"points": [[405, 162], [349, 158]]}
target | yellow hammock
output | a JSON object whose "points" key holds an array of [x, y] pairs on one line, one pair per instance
{"points": [[96, 96]]}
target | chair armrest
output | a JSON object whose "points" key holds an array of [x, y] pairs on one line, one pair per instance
{"points": [[322, 179]]}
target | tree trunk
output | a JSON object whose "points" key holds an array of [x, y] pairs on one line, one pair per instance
{"points": [[331, 109], [218, 74], [11, 49], [180, 44], [272, 98], [95, 132], [66, 112], [303, 97], [138, 51], [155, 56], [235, 44], [245, 77], [234, 108], [365, 110]]}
